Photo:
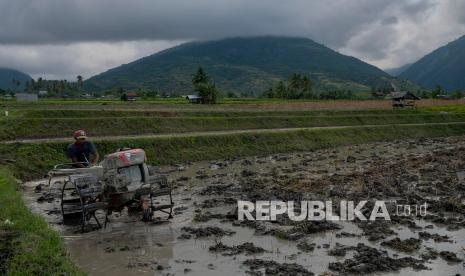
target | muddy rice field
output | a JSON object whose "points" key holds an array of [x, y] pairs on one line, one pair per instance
{"points": [[205, 238]]}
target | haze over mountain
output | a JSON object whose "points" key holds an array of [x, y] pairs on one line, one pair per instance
{"points": [[7, 76], [398, 70], [444, 66], [244, 65]]}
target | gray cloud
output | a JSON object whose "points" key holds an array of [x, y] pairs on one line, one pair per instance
{"points": [[84, 58], [390, 20], [43, 36], [57, 21]]}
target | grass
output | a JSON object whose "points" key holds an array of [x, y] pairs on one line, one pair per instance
{"points": [[27, 242], [106, 113], [450, 108], [224, 104], [23, 128], [32, 160]]}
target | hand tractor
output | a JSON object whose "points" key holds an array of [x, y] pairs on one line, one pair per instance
{"points": [[122, 180]]}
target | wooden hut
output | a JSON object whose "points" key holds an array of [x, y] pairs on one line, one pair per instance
{"points": [[402, 99]]}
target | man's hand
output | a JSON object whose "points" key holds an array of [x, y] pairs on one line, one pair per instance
{"points": [[77, 164], [95, 159]]}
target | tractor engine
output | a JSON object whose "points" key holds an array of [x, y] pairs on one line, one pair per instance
{"points": [[125, 171]]}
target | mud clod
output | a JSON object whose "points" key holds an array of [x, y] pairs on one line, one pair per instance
{"points": [[204, 217], [409, 245], [339, 250], [429, 254], [215, 202], [305, 246], [450, 256], [208, 231], [369, 260], [248, 248], [275, 268], [46, 198], [435, 237], [215, 189]]}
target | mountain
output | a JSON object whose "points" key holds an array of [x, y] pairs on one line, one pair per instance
{"points": [[8, 75], [243, 65], [398, 70], [444, 66]]}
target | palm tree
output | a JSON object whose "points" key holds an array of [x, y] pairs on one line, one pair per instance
{"points": [[307, 87], [295, 82], [199, 77], [281, 91], [79, 81]]}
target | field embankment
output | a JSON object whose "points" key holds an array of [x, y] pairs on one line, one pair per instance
{"points": [[30, 160], [27, 245], [239, 104], [32, 124]]}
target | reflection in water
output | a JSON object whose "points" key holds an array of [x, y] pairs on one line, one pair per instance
{"points": [[133, 249]]}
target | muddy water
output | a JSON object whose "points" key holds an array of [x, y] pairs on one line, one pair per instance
{"points": [[128, 246]]}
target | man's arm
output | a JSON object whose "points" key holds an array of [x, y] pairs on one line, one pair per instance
{"points": [[95, 158], [76, 164], [94, 153]]}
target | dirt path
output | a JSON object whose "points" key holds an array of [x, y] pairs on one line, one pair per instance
{"points": [[212, 133]]}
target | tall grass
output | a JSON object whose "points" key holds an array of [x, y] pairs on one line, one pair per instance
{"points": [[31, 246]]}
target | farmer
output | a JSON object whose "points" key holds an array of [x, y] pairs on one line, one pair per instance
{"points": [[82, 152]]}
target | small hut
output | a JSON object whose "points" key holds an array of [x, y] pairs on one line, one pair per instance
{"points": [[194, 99], [132, 96], [444, 97], [402, 99]]}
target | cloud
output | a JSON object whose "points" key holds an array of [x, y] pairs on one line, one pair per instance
{"points": [[84, 58], [43, 36], [57, 21], [421, 27]]}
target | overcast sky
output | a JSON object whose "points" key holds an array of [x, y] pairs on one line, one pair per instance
{"points": [[64, 38]]}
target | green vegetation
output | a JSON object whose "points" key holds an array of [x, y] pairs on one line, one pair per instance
{"points": [[244, 66], [205, 87], [151, 103], [299, 87], [447, 109], [96, 113], [445, 66], [21, 128], [27, 245], [56, 88], [31, 160]]}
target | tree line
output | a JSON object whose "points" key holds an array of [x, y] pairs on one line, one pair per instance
{"points": [[436, 93], [297, 87], [300, 87], [55, 87]]}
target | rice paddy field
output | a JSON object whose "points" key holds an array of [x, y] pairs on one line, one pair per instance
{"points": [[33, 138]]}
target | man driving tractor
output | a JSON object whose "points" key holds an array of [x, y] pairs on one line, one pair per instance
{"points": [[82, 152]]}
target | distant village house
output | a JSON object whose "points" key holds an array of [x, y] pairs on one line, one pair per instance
{"points": [[402, 99], [444, 97], [129, 96], [194, 99], [132, 96]]}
